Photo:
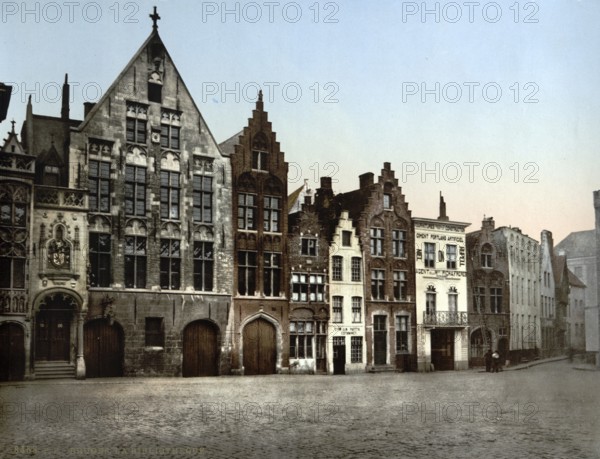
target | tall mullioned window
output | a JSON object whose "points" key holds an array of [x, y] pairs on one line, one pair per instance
{"points": [[203, 265], [272, 274], [377, 241], [100, 259], [203, 199], [99, 186], [136, 130], [247, 269], [496, 300], [272, 214], [135, 190], [399, 243], [13, 224], [135, 262], [246, 211], [170, 264], [169, 195], [400, 285], [378, 284], [169, 136]]}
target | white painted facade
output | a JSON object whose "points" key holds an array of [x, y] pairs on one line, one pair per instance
{"points": [[524, 272], [441, 294], [547, 290], [349, 290]]}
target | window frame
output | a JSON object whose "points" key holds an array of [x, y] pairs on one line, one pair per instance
{"points": [[137, 263], [170, 195], [172, 262], [204, 260]]}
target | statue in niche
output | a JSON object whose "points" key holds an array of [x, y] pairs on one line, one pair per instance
{"points": [[59, 252]]}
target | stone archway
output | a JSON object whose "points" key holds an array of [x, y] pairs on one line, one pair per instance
{"points": [[58, 334]]}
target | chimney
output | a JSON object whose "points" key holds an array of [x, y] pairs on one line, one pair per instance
{"points": [[64, 112], [550, 240], [324, 194], [307, 200], [387, 166], [259, 102], [488, 223], [443, 217], [366, 179], [87, 108]]}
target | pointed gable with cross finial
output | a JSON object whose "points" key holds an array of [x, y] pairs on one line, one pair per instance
{"points": [[11, 143]]}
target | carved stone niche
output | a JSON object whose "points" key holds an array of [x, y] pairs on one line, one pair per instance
{"points": [[58, 259]]}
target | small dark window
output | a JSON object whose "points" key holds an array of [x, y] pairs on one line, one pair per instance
{"points": [[155, 92], [155, 332], [346, 238]]}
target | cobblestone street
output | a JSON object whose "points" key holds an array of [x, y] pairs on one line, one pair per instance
{"points": [[547, 411]]}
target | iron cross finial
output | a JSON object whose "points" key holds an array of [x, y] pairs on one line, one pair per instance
{"points": [[155, 17]]}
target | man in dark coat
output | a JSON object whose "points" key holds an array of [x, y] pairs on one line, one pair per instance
{"points": [[488, 360], [495, 362]]}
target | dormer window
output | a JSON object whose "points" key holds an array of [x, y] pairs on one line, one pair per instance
{"points": [[51, 176]]}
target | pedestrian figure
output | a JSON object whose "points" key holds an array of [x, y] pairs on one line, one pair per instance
{"points": [[495, 362], [488, 360]]}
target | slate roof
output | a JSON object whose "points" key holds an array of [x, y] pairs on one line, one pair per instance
{"points": [[228, 146], [575, 281], [578, 244]]}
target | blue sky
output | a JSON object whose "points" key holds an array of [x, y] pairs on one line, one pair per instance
{"points": [[361, 80]]}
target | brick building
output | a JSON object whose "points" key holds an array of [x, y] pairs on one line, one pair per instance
{"points": [[383, 224], [309, 312], [488, 299], [261, 292]]}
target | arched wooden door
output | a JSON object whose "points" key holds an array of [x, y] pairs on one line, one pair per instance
{"points": [[12, 352], [260, 349], [200, 349], [103, 349]]}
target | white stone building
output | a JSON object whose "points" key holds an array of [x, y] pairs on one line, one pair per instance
{"points": [[346, 349], [441, 293]]}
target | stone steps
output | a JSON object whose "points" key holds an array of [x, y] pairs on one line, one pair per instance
{"points": [[54, 370], [382, 369]]}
